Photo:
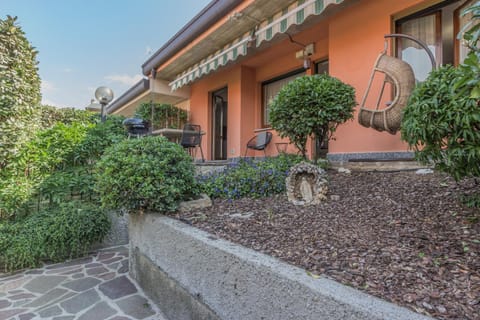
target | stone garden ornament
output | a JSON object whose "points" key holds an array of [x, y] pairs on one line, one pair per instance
{"points": [[306, 184]]}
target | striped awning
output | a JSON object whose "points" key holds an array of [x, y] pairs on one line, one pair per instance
{"points": [[296, 13], [211, 63]]}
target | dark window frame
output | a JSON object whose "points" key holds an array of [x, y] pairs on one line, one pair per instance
{"points": [[432, 11], [456, 27], [320, 62], [442, 41], [273, 80]]}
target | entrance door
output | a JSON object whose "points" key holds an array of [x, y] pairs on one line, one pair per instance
{"points": [[219, 108]]}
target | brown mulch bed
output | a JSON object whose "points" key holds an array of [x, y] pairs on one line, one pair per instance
{"points": [[399, 236]]}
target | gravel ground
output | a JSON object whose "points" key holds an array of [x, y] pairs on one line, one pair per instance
{"points": [[399, 236]]}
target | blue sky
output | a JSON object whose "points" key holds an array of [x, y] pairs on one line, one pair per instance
{"points": [[84, 44]]}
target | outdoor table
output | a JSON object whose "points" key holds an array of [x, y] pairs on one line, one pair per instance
{"points": [[171, 134]]}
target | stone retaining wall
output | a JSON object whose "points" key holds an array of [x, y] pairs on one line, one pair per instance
{"points": [[192, 275], [118, 233]]}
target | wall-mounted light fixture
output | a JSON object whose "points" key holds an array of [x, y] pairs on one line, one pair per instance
{"points": [[305, 53]]}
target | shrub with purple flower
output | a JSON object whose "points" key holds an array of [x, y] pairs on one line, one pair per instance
{"points": [[250, 178]]}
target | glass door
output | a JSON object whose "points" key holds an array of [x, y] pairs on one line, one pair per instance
{"points": [[219, 121]]}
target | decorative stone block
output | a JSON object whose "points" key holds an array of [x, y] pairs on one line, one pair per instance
{"points": [[306, 184], [203, 202]]}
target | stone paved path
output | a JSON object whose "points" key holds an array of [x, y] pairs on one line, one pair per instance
{"points": [[93, 288]]}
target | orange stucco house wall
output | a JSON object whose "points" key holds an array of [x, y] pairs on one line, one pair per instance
{"points": [[356, 39], [350, 38]]}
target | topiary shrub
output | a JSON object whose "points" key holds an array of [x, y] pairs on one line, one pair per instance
{"points": [[311, 105], [249, 178], [150, 174], [443, 127], [64, 232]]}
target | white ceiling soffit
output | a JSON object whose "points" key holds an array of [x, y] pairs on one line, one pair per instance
{"points": [[158, 92], [280, 22]]}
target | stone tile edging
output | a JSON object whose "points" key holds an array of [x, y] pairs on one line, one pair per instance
{"points": [[235, 282], [94, 287]]}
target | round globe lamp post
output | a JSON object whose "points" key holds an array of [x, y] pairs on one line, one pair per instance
{"points": [[104, 95]]}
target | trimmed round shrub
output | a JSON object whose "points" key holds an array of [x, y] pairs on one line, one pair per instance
{"points": [[311, 105], [147, 174]]}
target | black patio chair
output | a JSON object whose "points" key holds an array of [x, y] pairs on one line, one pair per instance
{"points": [[259, 142], [191, 139]]}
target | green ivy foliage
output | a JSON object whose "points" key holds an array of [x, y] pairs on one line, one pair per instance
{"points": [[19, 89], [65, 232], [98, 138], [63, 185], [442, 126], [146, 174], [311, 105], [164, 115], [48, 209], [250, 178], [57, 165], [16, 193], [51, 149]]}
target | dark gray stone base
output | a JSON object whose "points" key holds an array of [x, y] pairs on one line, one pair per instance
{"points": [[371, 156]]}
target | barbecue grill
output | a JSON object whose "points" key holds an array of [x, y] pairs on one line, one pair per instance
{"points": [[136, 127]]}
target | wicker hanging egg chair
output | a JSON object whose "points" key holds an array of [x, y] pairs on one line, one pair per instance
{"points": [[400, 75]]}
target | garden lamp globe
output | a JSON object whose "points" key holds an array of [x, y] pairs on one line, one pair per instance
{"points": [[104, 95]]}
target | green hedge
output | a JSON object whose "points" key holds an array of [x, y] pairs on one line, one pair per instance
{"points": [[56, 165], [63, 232]]}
